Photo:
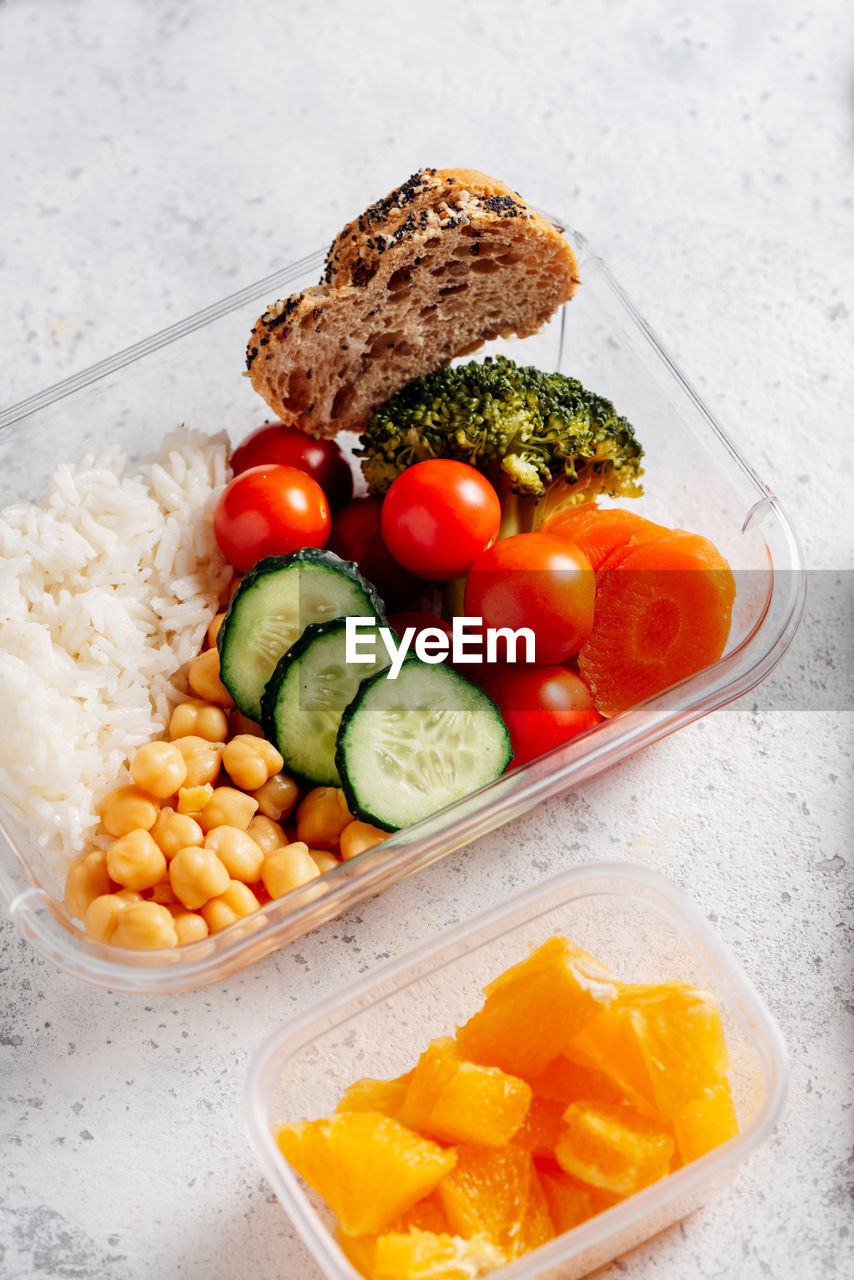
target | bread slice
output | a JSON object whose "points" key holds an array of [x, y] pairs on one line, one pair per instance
{"points": [[443, 264]]}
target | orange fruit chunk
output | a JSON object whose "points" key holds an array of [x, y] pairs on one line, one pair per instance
{"points": [[423, 1255], [613, 1148], [663, 1045], [566, 1081], [537, 1227], [458, 1101], [369, 1094], [360, 1251], [535, 1007], [601, 532], [368, 1168], [542, 1128], [487, 1194], [570, 1202], [426, 1215], [662, 614], [705, 1123]]}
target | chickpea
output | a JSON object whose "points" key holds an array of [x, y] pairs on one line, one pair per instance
{"points": [[173, 831], [235, 583], [278, 797], [237, 851], [191, 800], [228, 807], [102, 916], [324, 860], [357, 837], [239, 723], [203, 679], [145, 926], [189, 926], [250, 761], [196, 876], [237, 901], [201, 758], [266, 833], [199, 718], [126, 809], [135, 861], [164, 894], [288, 868], [159, 769], [213, 629], [322, 816], [87, 879]]}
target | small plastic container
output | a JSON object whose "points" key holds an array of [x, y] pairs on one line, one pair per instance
{"points": [[191, 374], [634, 920]]}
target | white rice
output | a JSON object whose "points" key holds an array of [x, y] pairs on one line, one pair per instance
{"points": [[107, 585]]}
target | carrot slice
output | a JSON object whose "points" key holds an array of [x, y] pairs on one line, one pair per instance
{"points": [[661, 615], [602, 533]]}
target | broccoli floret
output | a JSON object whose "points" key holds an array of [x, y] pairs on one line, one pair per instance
{"points": [[542, 431]]}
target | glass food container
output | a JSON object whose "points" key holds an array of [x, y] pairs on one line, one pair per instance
{"points": [[641, 926], [695, 478]]}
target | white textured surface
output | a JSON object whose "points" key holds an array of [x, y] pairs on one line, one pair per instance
{"points": [[153, 157]]}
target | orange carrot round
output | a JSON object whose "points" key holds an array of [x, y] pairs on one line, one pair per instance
{"points": [[662, 614], [602, 533]]}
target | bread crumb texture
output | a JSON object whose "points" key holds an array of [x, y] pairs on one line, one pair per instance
{"points": [[447, 261]]}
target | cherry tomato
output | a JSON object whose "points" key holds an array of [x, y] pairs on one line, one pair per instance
{"points": [[356, 535], [438, 516], [290, 447], [535, 580], [542, 707], [270, 511]]}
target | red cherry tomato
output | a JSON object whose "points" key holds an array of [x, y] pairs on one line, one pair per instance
{"points": [[438, 516], [535, 580], [270, 511], [290, 447], [356, 536], [542, 707]]}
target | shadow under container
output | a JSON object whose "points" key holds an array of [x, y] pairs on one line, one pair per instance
{"points": [[641, 926], [694, 478]]}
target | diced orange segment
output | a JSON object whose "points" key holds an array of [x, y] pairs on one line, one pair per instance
{"points": [[682, 1042], [368, 1094], [566, 1081], [458, 1101], [487, 1194], [421, 1255], [360, 1252], [427, 1215], [368, 1168], [613, 1148], [705, 1123], [434, 1071], [543, 1126], [535, 1007], [537, 1227], [609, 1046], [662, 1044], [570, 1202]]}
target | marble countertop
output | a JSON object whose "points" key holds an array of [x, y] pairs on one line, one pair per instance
{"points": [[156, 156]]}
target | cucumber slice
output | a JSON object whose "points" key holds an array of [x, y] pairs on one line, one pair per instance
{"points": [[409, 746], [271, 608], [306, 696]]}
